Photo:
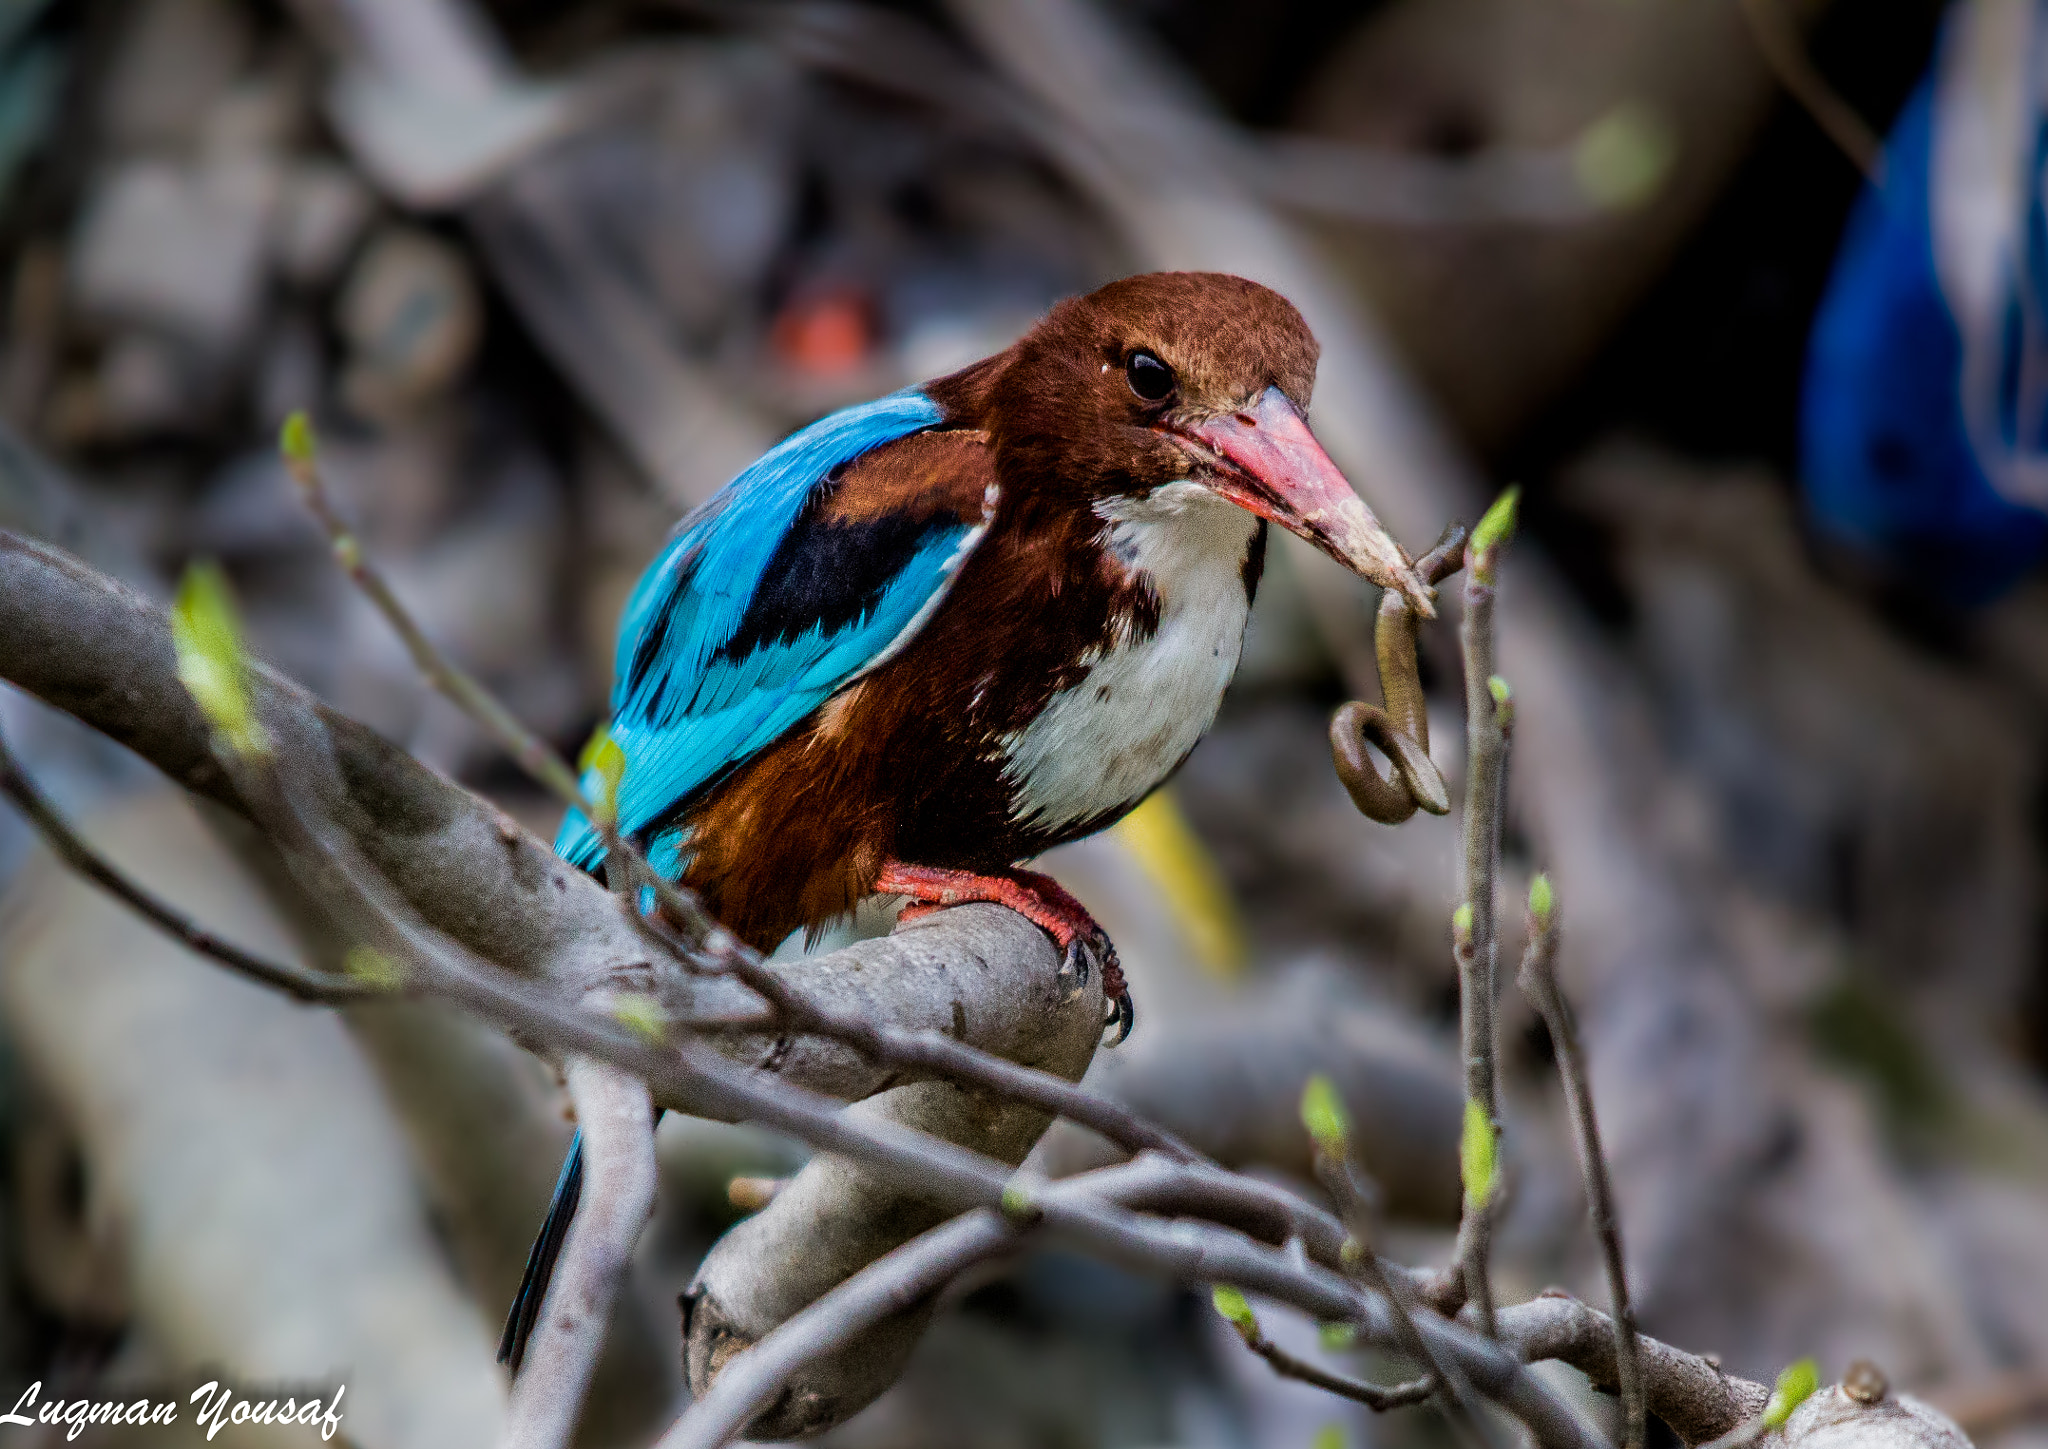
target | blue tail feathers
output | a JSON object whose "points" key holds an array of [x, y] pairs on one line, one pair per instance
{"points": [[540, 1260]]}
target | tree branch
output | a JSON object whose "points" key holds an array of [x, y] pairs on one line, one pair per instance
{"points": [[895, 1283], [70, 847], [690, 1077], [617, 1121], [1777, 36], [1374, 1396], [371, 834], [1538, 978], [1689, 1393], [1474, 934]]}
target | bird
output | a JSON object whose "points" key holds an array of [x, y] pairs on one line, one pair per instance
{"points": [[931, 636]]}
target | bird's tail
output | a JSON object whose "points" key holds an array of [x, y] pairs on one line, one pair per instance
{"points": [[540, 1260]]}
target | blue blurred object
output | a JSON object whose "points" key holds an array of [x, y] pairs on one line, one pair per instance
{"points": [[1924, 423]]}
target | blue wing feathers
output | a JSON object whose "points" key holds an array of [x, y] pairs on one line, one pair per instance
{"points": [[741, 627]]}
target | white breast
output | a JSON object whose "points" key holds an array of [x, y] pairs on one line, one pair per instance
{"points": [[1145, 703]]}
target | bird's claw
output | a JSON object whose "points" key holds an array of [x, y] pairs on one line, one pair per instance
{"points": [[1076, 965], [1085, 953], [1120, 1012], [1118, 1009]]}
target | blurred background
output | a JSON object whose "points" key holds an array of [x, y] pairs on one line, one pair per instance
{"points": [[1750, 295]]}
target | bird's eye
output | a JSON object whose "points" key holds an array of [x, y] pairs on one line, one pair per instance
{"points": [[1150, 378]]}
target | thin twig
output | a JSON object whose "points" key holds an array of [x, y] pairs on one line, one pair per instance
{"points": [[1474, 935], [1373, 1396], [532, 753], [1538, 978], [1785, 52], [1340, 1178], [313, 988]]}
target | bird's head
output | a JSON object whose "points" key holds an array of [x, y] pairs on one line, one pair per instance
{"points": [[1188, 377]]}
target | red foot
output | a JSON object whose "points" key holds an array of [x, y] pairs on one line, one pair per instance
{"points": [[1040, 899]]}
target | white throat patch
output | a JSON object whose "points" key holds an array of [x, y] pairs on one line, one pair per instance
{"points": [[1144, 704]]}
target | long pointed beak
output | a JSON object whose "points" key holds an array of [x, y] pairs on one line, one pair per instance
{"points": [[1274, 467]]}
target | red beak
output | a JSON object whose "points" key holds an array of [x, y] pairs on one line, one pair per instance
{"points": [[1273, 466]]}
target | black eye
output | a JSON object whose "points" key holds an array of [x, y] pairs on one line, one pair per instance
{"points": [[1150, 378]]}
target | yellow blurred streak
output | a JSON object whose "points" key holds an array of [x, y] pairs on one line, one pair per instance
{"points": [[1159, 837]]}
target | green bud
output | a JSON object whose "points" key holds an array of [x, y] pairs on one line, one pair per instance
{"points": [[1476, 1153], [603, 766], [1461, 923], [1337, 1337], [1350, 1253], [1322, 1112], [1497, 524], [1231, 1304], [1542, 899], [296, 439], [374, 969], [1796, 1383], [207, 639], [642, 1015], [1330, 1436], [1018, 1203], [1498, 688], [1622, 159]]}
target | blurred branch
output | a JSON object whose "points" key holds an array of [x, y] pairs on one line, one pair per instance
{"points": [[1778, 38], [432, 106], [617, 1121], [898, 54], [1538, 978], [68, 846]]}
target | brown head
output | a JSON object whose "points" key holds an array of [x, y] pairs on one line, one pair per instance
{"points": [[1174, 377]]}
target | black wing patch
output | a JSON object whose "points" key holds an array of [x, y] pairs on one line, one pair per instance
{"points": [[829, 573]]}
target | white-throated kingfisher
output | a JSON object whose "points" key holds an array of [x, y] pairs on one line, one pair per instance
{"points": [[930, 637]]}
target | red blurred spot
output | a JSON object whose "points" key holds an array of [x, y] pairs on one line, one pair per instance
{"points": [[825, 332]]}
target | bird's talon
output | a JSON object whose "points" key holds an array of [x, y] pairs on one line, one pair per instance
{"points": [[1074, 971], [1121, 1013]]}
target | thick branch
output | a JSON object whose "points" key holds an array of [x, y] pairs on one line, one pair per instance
{"points": [[1689, 1393], [618, 1198], [893, 1285], [102, 652]]}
